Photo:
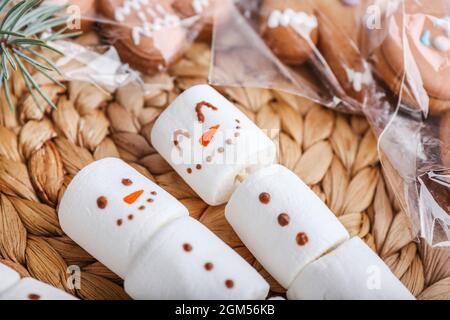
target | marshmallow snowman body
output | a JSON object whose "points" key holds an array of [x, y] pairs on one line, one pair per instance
{"points": [[111, 210], [185, 260], [8, 278], [210, 143], [282, 222], [351, 272], [31, 289]]}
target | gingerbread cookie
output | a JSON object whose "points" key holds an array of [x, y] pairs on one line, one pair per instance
{"points": [[345, 14], [84, 9], [204, 9], [428, 40], [351, 70], [289, 28], [147, 35], [445, 140]]}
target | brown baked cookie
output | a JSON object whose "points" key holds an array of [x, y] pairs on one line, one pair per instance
{"points": [[428, 38], [346, 14], [85, 8], [202, 8], [147, 35], [289, 28], [445, 139], [343, 57]]}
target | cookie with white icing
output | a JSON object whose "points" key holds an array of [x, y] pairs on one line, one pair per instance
{"points": [[289, 28], [148, 35], [343, 57], [86, 9], [345, 14], [203, 9], [428, 40]]}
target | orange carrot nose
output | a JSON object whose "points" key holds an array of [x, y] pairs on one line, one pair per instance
{"points": [[209, 135], [132, 197]]}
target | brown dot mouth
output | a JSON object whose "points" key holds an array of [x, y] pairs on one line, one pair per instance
{"points": [[283, 219], [302, 238], [209, 266], [229, 284], [187, 247]]}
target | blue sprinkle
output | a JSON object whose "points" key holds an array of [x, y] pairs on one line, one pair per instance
{"points": [[425, 39]]}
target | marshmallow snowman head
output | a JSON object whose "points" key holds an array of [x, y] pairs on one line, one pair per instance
{"points": [[210, 143], [282, 222], [185, 260], [111, 210]]}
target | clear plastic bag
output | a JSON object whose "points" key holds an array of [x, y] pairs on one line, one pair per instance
{"points": [[405, 111], [270, 45], [410, 66]]}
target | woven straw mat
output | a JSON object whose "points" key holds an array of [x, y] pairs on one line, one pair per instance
{"points": [[335, 154]]}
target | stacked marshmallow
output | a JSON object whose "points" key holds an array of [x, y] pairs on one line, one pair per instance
{"points": [[282, 222], [146, 236], [14, 288]]}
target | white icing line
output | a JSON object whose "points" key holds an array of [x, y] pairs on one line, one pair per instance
{"points": [[359, 79], [199, 5], [289, 17], [161, 18]]}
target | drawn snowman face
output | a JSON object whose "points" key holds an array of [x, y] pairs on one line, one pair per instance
{"points": [[219, 133], [134, 200]]}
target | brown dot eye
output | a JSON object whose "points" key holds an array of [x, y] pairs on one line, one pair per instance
{"points": [[130, 217], [141, 208], [102, 202], [119, 222], [187, 247], [127, 182], [153, 193]]}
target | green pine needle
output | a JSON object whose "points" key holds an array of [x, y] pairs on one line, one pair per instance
{"points": [[22, 29]]}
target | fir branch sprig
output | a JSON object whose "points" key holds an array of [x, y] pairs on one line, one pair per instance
{"points": [[25, 30]]}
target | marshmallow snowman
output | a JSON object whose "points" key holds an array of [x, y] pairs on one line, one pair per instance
{"points": [[282, 222], [188, 261], [351, 272], [14, 288], [210, 143], [143, 234], [111, 210]]}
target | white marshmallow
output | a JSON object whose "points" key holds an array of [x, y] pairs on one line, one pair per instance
{"points": [[351, 272], [8, 278], [235, 147], [134, 209], [31, 289], [286, 233], [185, 260]]}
